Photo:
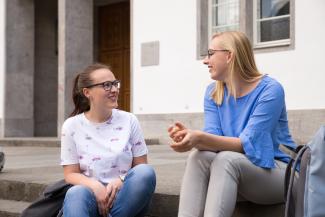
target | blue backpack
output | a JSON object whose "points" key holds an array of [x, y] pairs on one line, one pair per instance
{"points": [[305, 190]]}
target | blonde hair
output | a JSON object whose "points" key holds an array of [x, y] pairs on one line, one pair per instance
{"points": [[242, 62]]}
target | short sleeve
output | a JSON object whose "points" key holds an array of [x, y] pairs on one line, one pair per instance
{"points": [[139, 147], [68, 147], [211, 115], [256, 138]]}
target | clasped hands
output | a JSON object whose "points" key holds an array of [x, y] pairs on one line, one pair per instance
{"points": [[184, 139], [105, 196]]}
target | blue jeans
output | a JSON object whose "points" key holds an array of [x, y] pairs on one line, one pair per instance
{"points": [[133, 199]]}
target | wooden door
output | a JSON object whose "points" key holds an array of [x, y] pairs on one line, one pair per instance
{"points": [[114, 45]]}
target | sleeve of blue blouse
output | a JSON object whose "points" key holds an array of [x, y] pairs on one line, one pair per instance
{"points": [[211, 115], [256, 138]]}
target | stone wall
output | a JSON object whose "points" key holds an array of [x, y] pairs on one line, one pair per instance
{"points": [[303, 124]]}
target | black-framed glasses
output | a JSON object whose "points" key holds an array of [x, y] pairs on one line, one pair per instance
{"points": [[212, 51], [107, 85]]}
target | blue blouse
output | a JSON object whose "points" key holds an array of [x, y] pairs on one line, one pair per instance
{"points": [[259, 119]]}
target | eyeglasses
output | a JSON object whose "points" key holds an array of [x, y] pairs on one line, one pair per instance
{"points": [[211, 52], [107, 85]]}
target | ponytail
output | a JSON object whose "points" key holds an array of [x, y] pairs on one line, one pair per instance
{"points": [[82, 80], [81, 103]]}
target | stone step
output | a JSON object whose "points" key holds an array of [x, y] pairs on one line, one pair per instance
{"points": [[29, 170], [30, 141], [14, 192], [47, 141], [20, 191], [248, 209], [10, 208]]}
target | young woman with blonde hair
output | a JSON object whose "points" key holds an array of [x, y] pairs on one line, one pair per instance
{"points": [[236, 156], [103, 152]]}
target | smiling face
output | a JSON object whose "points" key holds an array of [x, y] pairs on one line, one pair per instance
{"points": [[217, 61], [98, 97]]}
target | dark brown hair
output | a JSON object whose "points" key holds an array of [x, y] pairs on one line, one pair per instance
{"points": [[82, 80]]}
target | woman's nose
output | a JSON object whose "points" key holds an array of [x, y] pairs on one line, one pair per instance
{"points": [[114, 88], [206, 60]]}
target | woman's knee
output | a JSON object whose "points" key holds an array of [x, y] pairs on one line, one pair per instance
{"points": [[201, 156], [79, 201], [228, 161], [79, 192], [229, 156], [143, 173]]}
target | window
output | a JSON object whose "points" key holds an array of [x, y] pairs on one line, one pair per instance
{"points": [[224, 16], [271, 22]]}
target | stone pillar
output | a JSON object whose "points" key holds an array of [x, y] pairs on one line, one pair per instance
{"points": [[75, 49], [2, 63], [19, 75]]}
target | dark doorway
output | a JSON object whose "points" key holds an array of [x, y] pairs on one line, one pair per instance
{"points": [[113, 24], [46, 68]]}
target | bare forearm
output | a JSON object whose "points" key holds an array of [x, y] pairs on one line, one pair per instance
{"points": [[210, 142], [139, 160], [80, 179]]}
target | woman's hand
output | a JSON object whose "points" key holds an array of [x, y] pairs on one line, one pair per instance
{"points": [[101, 198], [188, 142], [174, 130], [112, 188], [183, 139]]}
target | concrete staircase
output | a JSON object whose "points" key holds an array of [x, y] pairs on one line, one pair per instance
{"points": [[27, 172], [31, 167], [33, 164]]}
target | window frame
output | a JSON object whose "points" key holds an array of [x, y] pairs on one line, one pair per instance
{"points": [[202, 23], [246, 25], [274, 43], [210, 15]]}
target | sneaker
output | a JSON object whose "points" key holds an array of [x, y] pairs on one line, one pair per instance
{"points": [[2, 160]]}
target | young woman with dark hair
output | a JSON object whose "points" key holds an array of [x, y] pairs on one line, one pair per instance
{"points": [[103, 152]]}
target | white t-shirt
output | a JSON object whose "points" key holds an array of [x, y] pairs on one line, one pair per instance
{"points": [[103, 150]]}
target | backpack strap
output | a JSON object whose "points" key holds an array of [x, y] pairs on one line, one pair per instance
{"points": [[287, 177], [293, 153], [290, 176]]}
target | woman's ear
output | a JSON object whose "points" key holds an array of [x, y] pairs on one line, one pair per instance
{"points": [[86, 92], [230, 56]]}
